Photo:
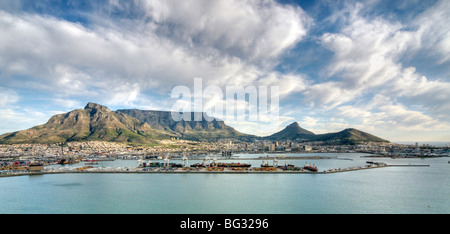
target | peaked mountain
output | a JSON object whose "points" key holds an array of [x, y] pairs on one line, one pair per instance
{"points": [[348, 136], [94, 122], [292, 131], [194, 130]]}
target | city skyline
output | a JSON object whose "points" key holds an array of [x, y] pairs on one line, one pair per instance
{"points": [[378, 66]]}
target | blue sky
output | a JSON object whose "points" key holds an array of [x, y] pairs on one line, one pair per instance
{"points": [[379, 66]]}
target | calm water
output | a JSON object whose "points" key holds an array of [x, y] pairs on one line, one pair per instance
{"points": [[381, 190]]}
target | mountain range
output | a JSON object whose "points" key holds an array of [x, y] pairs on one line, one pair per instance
{"points": [[98, 123]]}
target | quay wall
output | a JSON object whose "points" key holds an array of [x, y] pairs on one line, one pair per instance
{"points": [[202, 171]]}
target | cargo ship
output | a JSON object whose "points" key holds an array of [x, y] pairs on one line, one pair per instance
{"points": [[231, 165], [222, 165], [158, 164], [67, 161], [310, 167], [266, 165], [91, 162]]}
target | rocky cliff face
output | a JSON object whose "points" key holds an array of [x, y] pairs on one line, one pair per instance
{"points": [[198, 130]]}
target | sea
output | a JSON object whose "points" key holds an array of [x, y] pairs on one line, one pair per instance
{"points": [[389, 190]]}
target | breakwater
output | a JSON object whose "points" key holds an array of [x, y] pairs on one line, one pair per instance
{"points": [[204, 171]]}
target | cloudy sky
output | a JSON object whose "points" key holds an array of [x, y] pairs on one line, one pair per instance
{"points": [[380, 66]]}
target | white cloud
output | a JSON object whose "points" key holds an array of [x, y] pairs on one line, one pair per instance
{"points": [[251, 30], [13, 118], [7, 97], [366, 56], [369, 88], [367, 62], [67, 103], [168, 47], [434, 33], [385, 117]]}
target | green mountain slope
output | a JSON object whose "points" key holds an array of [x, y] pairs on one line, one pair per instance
{"points": [[347, 136]]}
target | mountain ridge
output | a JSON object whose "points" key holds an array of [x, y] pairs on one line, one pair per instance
{"points": [[98, 122], [94, 122], [347, 136]]}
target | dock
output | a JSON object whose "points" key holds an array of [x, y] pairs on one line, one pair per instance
{"points": [[204, 171]]}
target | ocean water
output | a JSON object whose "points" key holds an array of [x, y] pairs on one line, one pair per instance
{"points": [[397, 190]]}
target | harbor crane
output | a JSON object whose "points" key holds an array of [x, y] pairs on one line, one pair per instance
{"points": [[185, 161], [166, 162], [207, 161]]}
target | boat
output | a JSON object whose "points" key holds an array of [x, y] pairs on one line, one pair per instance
{"points": [[154, 164], [175, 165], [144, 164], [67, 161], [221, 165], [91, 162], [291, 167], [233, 165], [310, 167]]}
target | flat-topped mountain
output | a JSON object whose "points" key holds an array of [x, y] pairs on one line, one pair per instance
{"points": [[194, 130]]}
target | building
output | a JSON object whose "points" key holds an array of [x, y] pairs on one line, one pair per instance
{"points": [[307, 148], [35, 168]]}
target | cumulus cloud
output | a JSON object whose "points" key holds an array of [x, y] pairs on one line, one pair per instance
{"points": [[366, 56], [165, 44], [382, 113], [7, 97], [250, 30], [369, 87], [367, 60], [434, 33]]}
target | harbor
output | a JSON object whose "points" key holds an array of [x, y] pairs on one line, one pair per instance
{"points": [[159, 188], [237, 168]]}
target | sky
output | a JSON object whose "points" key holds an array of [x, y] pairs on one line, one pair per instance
{"points": [[379, 66]]}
